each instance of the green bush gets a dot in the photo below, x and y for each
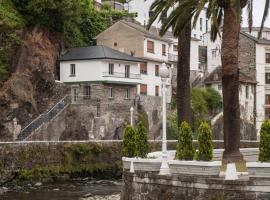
(172, 130)
(128, 147)
(143, 117)
(185, 149)
(264, 147)
(141, 141)
(205, 150)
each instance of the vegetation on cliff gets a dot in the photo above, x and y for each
(77, 21)
(264, 146)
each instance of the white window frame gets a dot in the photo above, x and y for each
(72, 70)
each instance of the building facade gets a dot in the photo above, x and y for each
(142, 8)
(254, 61)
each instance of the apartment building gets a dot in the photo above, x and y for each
(254, 61)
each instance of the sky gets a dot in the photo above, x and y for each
(258, 9)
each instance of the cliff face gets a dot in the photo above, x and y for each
(31, 89)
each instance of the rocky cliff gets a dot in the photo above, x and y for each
(31, 89)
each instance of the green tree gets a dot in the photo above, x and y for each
(264, 146)
(128, 148)
(172, 128)
(205, 150)
(141, 141)
(185, 149)
(213, 99)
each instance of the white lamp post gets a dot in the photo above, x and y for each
(131, 116)
(164, 74)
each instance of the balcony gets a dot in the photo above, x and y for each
(172, 57)
(121, 75)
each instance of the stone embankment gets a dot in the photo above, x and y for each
(107, 197)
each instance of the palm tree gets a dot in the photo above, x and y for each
(180, 23)
(229, 13)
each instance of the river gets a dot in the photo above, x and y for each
(71, 190)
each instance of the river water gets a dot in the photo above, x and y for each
(72, 190)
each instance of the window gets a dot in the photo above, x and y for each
(267, 99)
(110, 93)
(195, 36)
(164, 49)
(163, 17)
(157, 70)
(267, 78)
(206, 25)
(72, 70)
(267, 113)
(127, 71)
(111, 68)
(219, 87)
(127, 95)
(115, 44)
(143, 68)
(201, 24)
(143, 89)
(214, 54)
(150, 46)
(267, 58)
(175, 47)
(157, 90)
(247, 92)
(87, 91)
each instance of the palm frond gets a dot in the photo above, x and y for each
(265, 15)
(250, 14)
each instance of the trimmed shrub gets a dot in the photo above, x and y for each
(205, 150)
(141, 141)
(185, 149)
(264, 146)
(128, 147)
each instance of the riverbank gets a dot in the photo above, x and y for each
(83, 189)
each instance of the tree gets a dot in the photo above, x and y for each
(228, 13)
(180, 22)
(128, 148)
(185, 149)
(264, 147)
(141, 141)
(205, 150)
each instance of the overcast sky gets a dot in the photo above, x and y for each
(257, 14)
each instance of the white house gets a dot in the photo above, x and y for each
(115, 73)
(142, 8)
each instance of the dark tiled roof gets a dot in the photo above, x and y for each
(246, 29)
(97, 52)
(216, 76)
(153, 32)
(259, 41)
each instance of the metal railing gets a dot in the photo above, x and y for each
(121, 75)
(43, 118)
(173, 57)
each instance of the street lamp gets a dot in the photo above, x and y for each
(131, 116)
(164, 74)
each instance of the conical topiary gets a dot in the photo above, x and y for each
(185, 149)
(128, 147)
(141, 141)
(264, 147)
(205, 150)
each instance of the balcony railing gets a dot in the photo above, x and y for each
(121, 75)
(173, 57)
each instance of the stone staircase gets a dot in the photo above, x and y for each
(44, 118)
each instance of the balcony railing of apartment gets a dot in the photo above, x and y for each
(121, 75)
(172, 57)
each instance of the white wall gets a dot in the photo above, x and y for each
(212, 61)
(142, 7)
(92, 70)
(151, 80)
(157, 50)
(194, 55)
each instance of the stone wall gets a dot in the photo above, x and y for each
(153, 107)
(94, 117)
(142, 185)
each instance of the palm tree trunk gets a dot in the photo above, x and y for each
(230, 86)
(183, 76)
